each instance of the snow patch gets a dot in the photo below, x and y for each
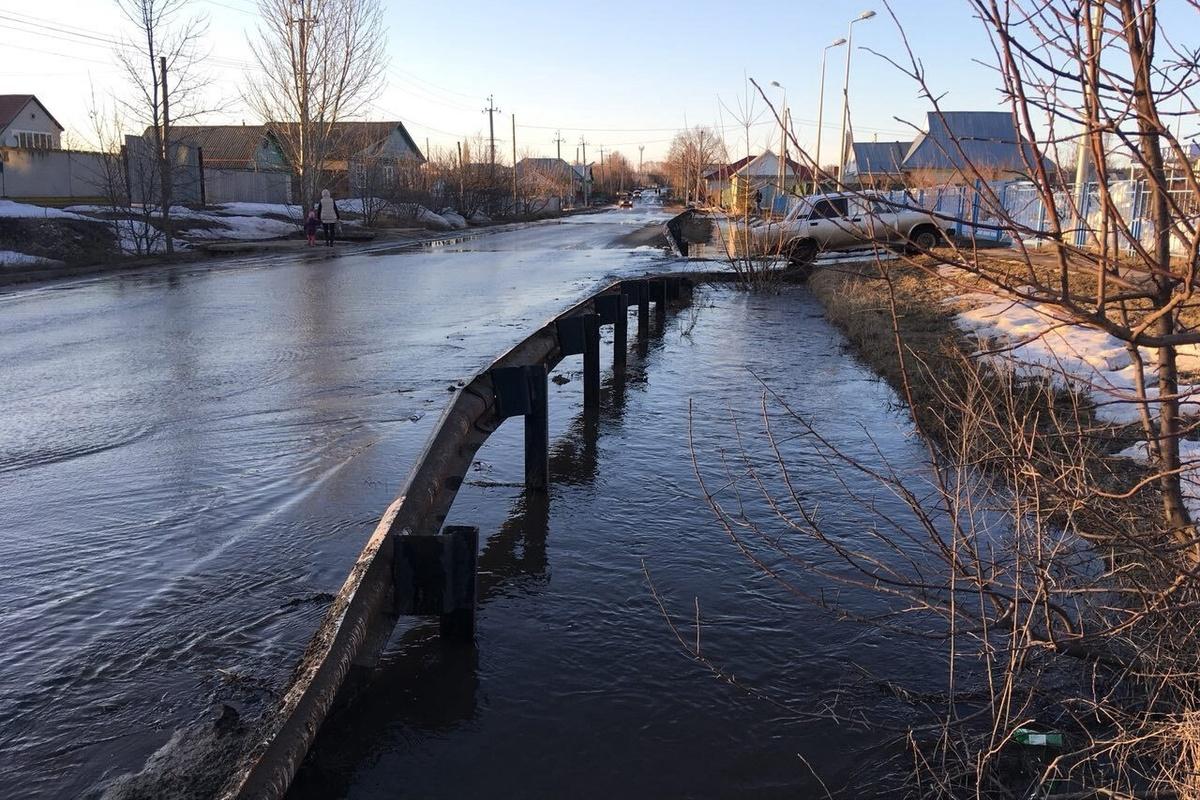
(1035, 340)
(1189, 460)
(11, 258)
(13, 210)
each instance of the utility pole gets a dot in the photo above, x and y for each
(1083, 157)
(491, 111)
(461, 190)
(165, 165)
(584, 167)
(304, 24)
(604, 179)
(641, 147)
(514, 126)
(558, 140)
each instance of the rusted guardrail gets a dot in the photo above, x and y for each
(362, 615)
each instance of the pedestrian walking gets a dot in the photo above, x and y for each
(310, 227)
(328, 212)
(758, 201)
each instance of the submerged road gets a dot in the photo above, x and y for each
(190, 458)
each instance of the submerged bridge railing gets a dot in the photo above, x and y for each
(379, 588)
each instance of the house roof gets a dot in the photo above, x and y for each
(753, 165)
(233, 144)
(986, 138)
(554, 169)
(11, 105)
(723, 173)
(237, 144)
(350, 138)
(877, 158)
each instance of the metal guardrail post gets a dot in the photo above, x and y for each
(591, 360)
(658, 293)
(643, 301)
(523, 391)
(614, 310)
(537, 431)
(621, 336)
(435, 575)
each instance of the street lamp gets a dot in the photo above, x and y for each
(821, 109)
(846, 94)
(782, 143)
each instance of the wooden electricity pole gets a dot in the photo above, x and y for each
(491, 111)
(165, 158)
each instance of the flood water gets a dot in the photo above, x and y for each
(578, 688)
(191, 459)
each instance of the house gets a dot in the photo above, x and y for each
(877, 165)
(736, 185)
(363, 157)
(249, 147)
(550, 177)
(584, 173)
(717, 182)
(245, 161)
(26, 124)
(213, 164)
(959, 144)
(33, 165)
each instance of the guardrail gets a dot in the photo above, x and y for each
(362, 616)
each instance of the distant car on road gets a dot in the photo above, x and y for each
(624, 200)
(847, 221)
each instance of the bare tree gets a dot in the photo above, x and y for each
(162, 64)
(691, 152)
(322, 63)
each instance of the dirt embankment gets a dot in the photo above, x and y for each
(70, 241)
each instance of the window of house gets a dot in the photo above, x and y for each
(358, 174)
(34, 140)
(389, 174)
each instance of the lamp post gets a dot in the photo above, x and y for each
(780, 189)
(821, 111)
(846, 93)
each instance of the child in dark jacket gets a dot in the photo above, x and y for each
(310, 227)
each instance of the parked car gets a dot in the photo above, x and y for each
(847, 221)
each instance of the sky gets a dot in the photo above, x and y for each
(617, 74)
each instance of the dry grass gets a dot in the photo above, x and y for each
(937, 370)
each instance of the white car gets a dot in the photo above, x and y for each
(847, 221)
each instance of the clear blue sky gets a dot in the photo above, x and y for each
(621, 73)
